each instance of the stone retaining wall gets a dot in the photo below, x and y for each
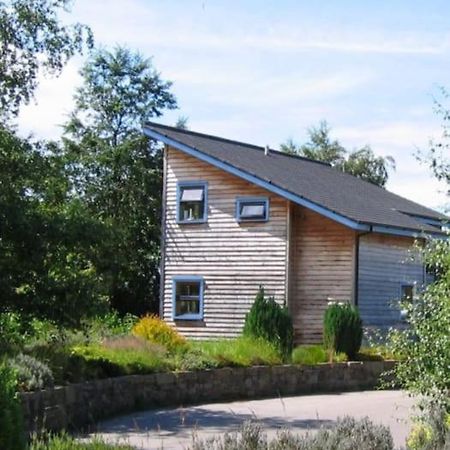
(81, 405)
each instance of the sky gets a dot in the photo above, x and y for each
(266, 71)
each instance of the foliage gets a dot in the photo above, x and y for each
(314, 354)
(117, 172)
(31, 373)
(361, 163)
(156, 330)
(347, 434)
(32, 38)
(430, 432)
(65, 442)
(425, 344)
(243, 351)
(47, 241)
(437, 155)
(11, 335)
(111, 324)
(12, 436)
(117, 360)
(268, 320)
(342, 329)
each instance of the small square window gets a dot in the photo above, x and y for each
(252, 209)
(188, 298)
(192, 202)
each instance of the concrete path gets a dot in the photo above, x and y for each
(172, 428)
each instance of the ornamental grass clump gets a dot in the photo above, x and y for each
(269, 321)
(155, 330)
(342, 330)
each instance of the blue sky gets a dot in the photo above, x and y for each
(263, 72)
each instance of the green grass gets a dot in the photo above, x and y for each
(240, 352)
(375, 353)
(313, 354)
(124, 361)
(66, 442)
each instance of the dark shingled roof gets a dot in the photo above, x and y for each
(317, 182)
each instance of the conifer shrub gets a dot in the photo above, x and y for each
(270, 321)
(12, 435)
(155, 330)
(342, 329)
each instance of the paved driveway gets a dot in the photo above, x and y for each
(172, 428)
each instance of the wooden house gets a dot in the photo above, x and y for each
(237, 216)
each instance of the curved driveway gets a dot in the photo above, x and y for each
(172, 428)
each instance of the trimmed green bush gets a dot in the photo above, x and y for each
(12, 436)
(342, 329)
(270, 321)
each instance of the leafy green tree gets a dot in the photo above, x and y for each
(32, 38)
(362, 163)
(48, 240)
(437, 157)
(425, 344)
(117, 172)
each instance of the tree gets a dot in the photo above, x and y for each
(48, 240)
(117, 172)
(437, 156)
(32, 38)
(362, 163)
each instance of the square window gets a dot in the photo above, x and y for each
(188, 298)
(192, 202)
(252, 209)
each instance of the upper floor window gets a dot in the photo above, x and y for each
(250, 209)
(192, 202)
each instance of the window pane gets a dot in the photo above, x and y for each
(253, 210)
(193, 194)
(407, 293)
(191, 210)
(190, 288)
(187, 298)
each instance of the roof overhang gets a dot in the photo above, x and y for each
(333, 215)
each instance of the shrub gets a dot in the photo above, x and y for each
(342, 329)
(243, 352)
(12, 436)
(109, 362)
(431, 431)
(155, 330)
(11, 335)
(270, 321)
(347, 434)
(32, 374)
(309, 354)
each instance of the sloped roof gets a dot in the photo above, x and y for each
(343, 197)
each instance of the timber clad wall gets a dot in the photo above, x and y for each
(384, 265)
(322, 268)
(234, 258)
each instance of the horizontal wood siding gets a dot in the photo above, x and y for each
(384, 265)
(234, 258)
(323, 262)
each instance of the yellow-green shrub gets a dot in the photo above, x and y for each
(155, 330)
